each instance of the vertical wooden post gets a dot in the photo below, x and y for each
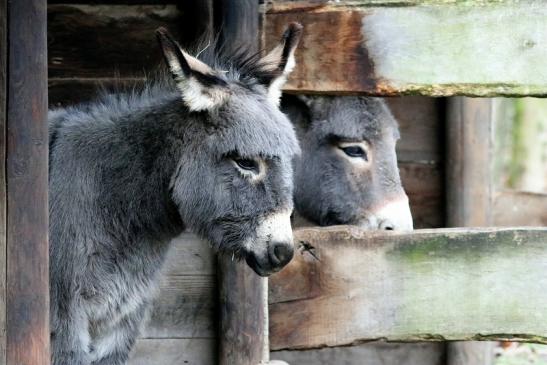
(242, 331)
(469, 191)
(3, 114)
(196, 22)
(26, 166)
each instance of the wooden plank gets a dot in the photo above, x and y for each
(424, 185)
(186, 307)
(190, 255)
(469, 190)
(426, 47)
(469, 162)
(107, 41)
(374, 353)
(3, 114)
(519, 208)
(27, 314)
(186, 304)
(449, 284)
(194, 351)
(64, 92)
(421, 123)
(113, 2)
(470, 352)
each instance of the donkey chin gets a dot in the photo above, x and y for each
(273, 246)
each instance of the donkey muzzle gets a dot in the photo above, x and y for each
(393, 215)
(273, 247)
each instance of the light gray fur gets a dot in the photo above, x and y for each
(130, 172)
(328, 189)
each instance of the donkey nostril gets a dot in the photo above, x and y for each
(281, 253)
(386, 226)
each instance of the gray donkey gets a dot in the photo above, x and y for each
(347, 172)
(210, 151)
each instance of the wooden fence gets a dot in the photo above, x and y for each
(425, 285)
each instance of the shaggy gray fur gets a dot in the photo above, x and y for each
(130, 172)
(328, 189)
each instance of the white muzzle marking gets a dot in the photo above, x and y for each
(394, 215)
(275, 228)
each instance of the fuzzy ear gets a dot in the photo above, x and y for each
(200, 86)
(280, 61)
(317, 106)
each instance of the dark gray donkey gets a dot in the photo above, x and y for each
(212, 152)
(347, 172)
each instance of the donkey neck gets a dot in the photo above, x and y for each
(117, 164)
(151, 142)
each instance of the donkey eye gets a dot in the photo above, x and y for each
(355, 151)
(247, 164)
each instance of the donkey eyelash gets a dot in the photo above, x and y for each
(250, 168)
(354, 150)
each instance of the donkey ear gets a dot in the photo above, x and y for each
(201, 88)
(317, 106)
(280, 61)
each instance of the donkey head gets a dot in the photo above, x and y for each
(347, 173)
(233, 184)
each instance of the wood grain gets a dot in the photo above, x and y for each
(421, 123)
(65, 92)
(113, 2)
(519, 208)
(424, 185)
(106, 41)
(187, 301)
(469, 162)
(383, 48)
(186, 307)
(195, 351)
(27, 186)
(427, 285)
(375, 353)
(3, 124)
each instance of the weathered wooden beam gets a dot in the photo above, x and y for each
(348, 285)
(481, 48)
(469, 162)
(107, 41)
(372, 353)
(469, 187)
(3, 124)
(27, 299)
(114, 2)
(519, 208)
(198, 351)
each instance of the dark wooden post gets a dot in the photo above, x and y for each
(469, 191)
(23, 188)
(3, 106)
(243, 325)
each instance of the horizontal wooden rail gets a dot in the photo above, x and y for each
(435, 47)
(520, 208)
(347, 286)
